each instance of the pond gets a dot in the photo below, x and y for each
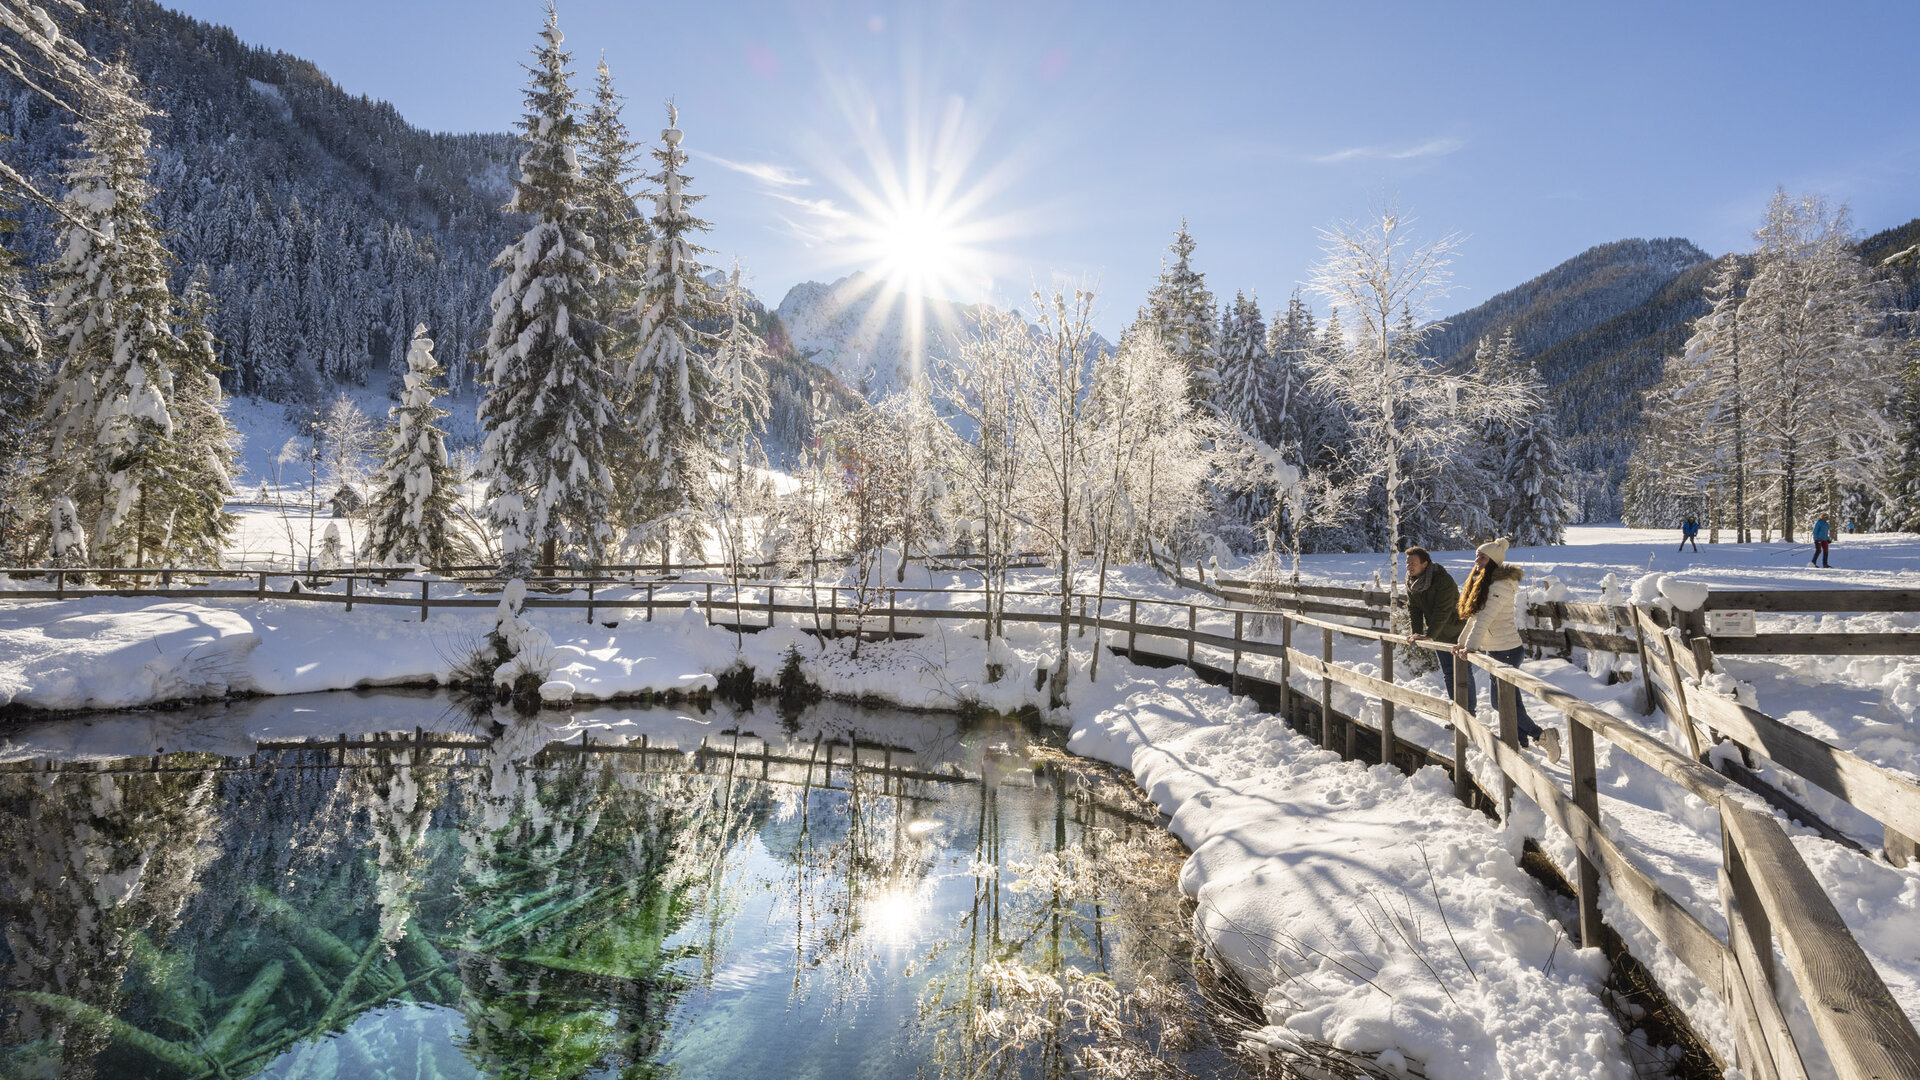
(384, 885)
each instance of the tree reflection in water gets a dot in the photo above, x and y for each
(488, 904)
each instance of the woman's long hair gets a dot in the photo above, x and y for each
(1473, 595)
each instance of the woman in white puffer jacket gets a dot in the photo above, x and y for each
(1487, 603)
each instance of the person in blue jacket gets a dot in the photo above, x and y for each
(1689, 531)
(1822, 541)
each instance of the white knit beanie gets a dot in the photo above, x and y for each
(1495, 549)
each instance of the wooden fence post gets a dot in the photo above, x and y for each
(649, 601)
(1586, 796)
(1326, 689)
(1901, 850)
(1239, 626)
(1508, 699)
(1646, 672)
(709, 600)
(589, 603)
(1386, 707)
(349, 592)
(1133, 628)
(1685, 719)
(1286, 668)
(424, 585)
(1462, 696)
(262, 593)
(1193, 614)
(833, 608)
(893, 605)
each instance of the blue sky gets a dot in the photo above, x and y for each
(1072, 138)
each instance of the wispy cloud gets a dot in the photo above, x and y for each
(817, 207)
(1439, 147)
(765, 172)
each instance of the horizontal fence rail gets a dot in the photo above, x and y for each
(1768, 895)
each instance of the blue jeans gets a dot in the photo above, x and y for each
(1446, 675)
(1529, 730)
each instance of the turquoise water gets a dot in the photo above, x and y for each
(380, 886)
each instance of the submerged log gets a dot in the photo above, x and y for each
(316, 940)
(173, 1053)
(239, 1019)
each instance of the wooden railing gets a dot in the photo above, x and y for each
(1768, 894)
(1677, 654)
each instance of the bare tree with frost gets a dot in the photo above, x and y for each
(1821, 374)
(1407, 412)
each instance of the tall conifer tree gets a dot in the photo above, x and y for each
(116, 439)
(546, 402)
(1183, 313)
(671, 374)
(410, 515)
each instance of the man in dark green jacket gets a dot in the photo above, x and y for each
(1433, 605)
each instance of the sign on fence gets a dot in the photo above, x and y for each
(1730, 624)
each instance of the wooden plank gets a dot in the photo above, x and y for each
(1586, 797)
(1436, 707)
(1814, 600)
(1897, 643)
(1747, 935)
(1865, 1031)
(1585, 639)
(1750, 1051)
(1890, 799)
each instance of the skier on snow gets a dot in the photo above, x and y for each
(1689, 531)
(1822, 540)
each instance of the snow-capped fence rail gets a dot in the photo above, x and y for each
(1678, 656)
(1369, 604)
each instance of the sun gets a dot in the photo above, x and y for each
(917, 249)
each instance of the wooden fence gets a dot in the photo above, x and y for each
(1767, 892)
(1677, 654)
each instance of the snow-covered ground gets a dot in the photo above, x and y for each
(1324, 882)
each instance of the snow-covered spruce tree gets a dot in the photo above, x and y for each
(670, 374)
(200, 458)
(111, 328)
(1246, 390)
(410, 516)
(1184, 318)
(1534, 476)
(1290, 340)
(739, 413)
(1245, 396)
(23, 376)
(546, 402)
(608, 167)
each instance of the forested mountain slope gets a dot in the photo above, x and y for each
(1597, 326)
(327, 225)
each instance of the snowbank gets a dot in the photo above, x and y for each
(115, 652)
